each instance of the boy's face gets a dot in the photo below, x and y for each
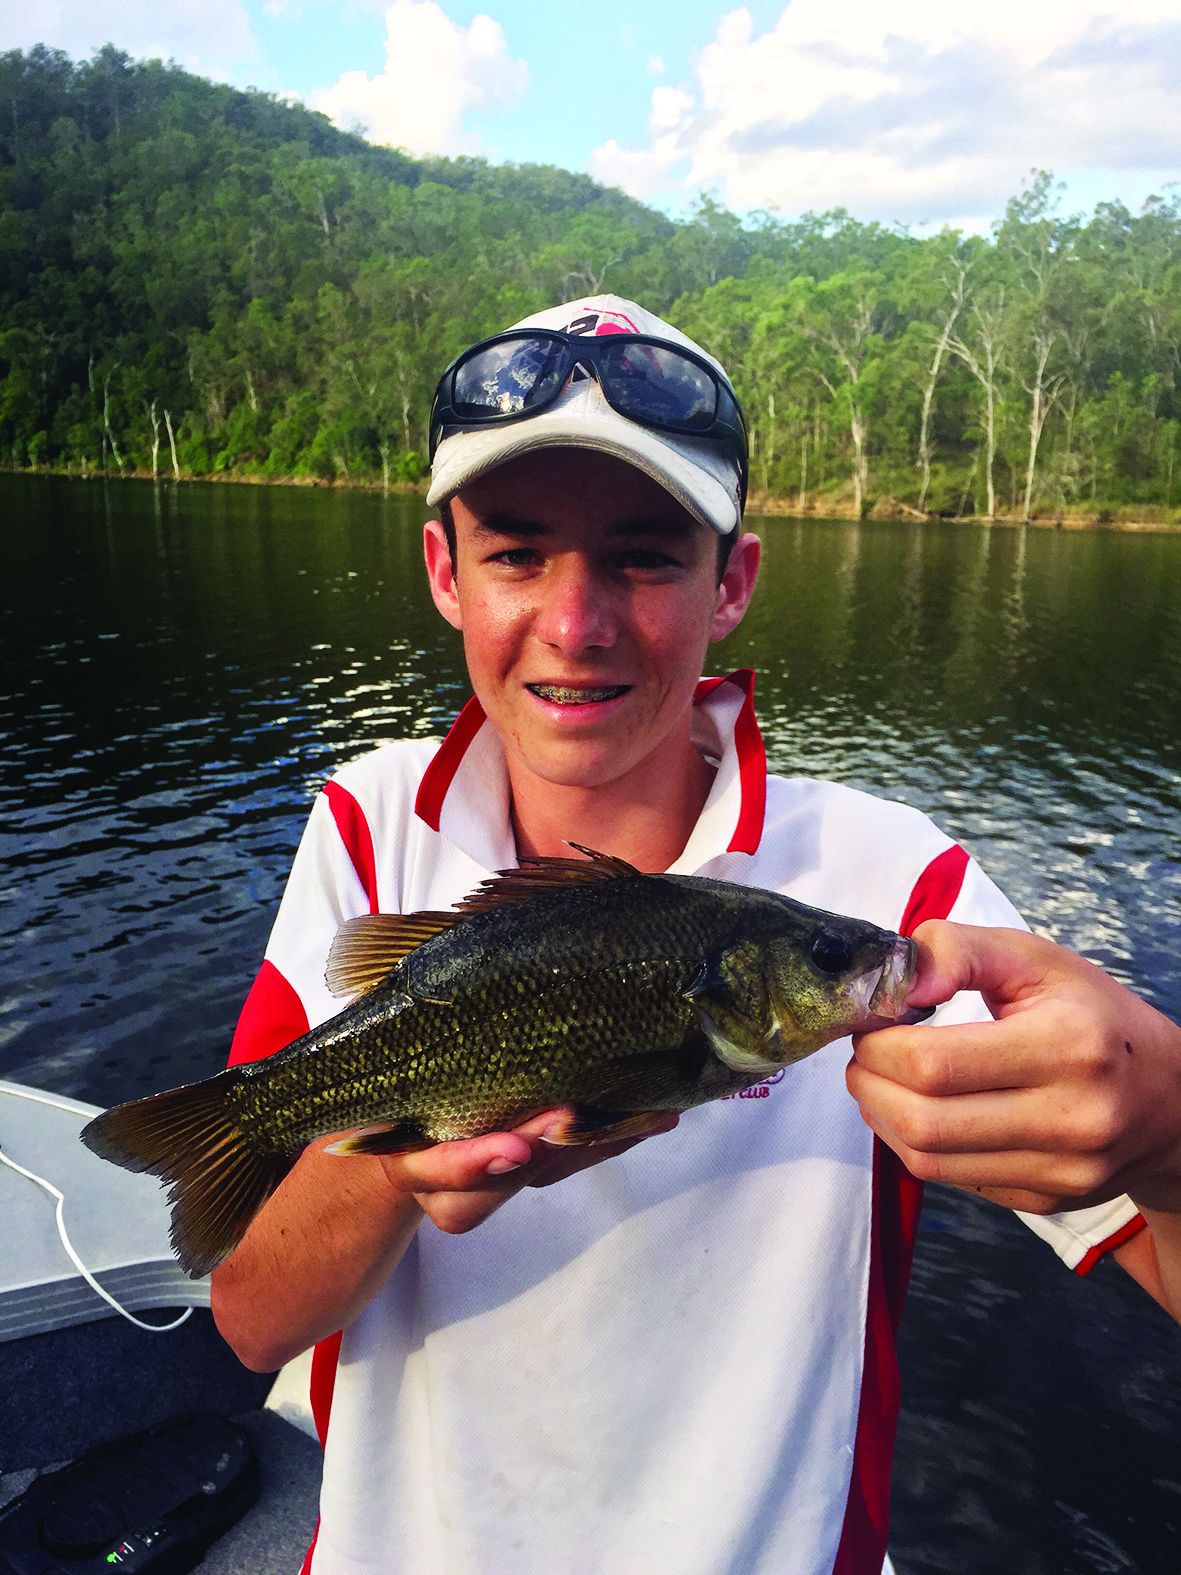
(587, 597)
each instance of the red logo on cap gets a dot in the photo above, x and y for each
(597, 323)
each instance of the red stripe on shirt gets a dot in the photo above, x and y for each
(1116, 1239)
(897, 1202)
(271, 1017)
(439, 775)
(325, 1358)
(752, 761)
(354, 833)
(358, 841)
(936, 890)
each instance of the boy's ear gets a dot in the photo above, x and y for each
(737, 585)
(440, 572)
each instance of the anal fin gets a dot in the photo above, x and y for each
(584, 1125)
(386, 1137)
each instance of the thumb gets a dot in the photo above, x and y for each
(1007, 967)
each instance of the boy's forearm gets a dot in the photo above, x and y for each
(1153, 1258)
(313, 1259)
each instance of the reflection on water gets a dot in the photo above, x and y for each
(182, 667)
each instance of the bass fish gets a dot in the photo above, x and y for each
(579, 983)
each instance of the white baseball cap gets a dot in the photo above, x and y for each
(700, 473)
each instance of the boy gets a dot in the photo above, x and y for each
(681, 1360)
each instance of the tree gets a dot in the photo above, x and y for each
(934, 287)
(843, 318)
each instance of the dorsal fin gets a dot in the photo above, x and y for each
(539, 874)
(367, 948)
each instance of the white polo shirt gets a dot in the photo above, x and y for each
(680, 1362)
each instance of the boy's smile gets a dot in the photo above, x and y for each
(587, 597)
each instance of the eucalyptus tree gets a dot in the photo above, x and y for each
(1039, 250)
(982, 341)
(749, 323)
(843, 318)
(932, 290)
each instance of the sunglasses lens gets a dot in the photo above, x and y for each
(654, 383)
(508, 378)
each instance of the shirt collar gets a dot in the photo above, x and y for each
(464, 793)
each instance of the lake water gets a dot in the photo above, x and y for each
(182, 667)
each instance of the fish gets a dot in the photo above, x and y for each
(571, 982)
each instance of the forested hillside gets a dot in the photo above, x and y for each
(199, 280)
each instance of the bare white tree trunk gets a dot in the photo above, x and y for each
(172, 445)
(1041, 401)
(983, 361)
(107, 431)
(155, 420)
(933, 371)
(768, 454)
(803, 503)
(860, 461)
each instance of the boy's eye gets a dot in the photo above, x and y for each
(517, 557)
(648, 560)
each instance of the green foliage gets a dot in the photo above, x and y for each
(176, 252)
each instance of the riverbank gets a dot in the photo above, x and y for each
(830, 506)
(1095, 516)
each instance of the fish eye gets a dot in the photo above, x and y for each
(831, 953)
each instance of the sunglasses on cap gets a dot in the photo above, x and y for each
(651, 381)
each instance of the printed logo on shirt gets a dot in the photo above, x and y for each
(759, 1090)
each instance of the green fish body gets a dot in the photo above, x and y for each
(578, 983)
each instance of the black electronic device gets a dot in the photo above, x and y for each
(147, 1505)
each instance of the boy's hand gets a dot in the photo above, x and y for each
(1071, 1097)
(458, 1185)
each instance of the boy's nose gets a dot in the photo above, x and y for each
(577, 615)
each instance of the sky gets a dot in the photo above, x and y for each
(909, 112)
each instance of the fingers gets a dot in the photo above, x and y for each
(1018, 1051)
(1026, 1140)
(459, 1184)
(1068, 1093)
(459, 1166)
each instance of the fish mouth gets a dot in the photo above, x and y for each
(570, 694)
(888, 1000)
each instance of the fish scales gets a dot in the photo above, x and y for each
(509, 1045)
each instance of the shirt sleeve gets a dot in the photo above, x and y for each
(325, 888)
(1083, 1236)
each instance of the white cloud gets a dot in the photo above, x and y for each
(208, 36)
(436, 72)
(913, 110)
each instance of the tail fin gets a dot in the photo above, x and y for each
(191, 1137)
